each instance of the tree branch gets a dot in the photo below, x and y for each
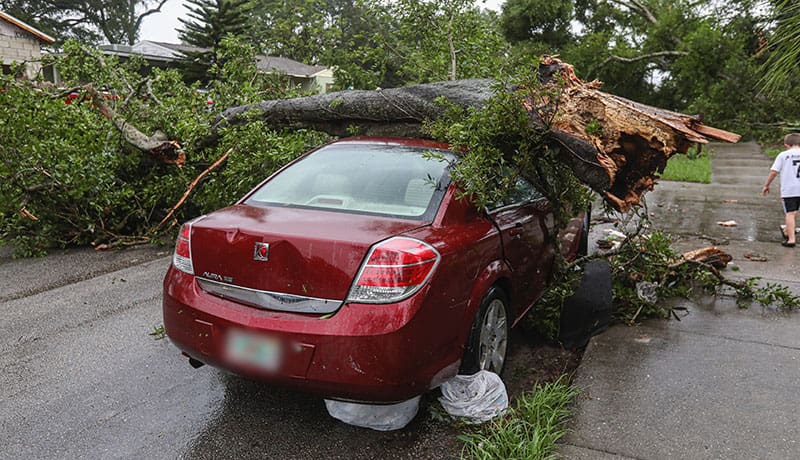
(637, 7)
(192, 185)
(645, 12)
(641, 57)
(157, 145)
(148, 13)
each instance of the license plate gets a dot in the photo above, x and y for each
(259, 351)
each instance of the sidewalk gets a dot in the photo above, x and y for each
(722, 382)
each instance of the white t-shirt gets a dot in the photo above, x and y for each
(788, 165)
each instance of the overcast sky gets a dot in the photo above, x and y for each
(161, 27)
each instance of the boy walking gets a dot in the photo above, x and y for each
(787, 164)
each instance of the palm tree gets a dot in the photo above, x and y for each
(784, 57)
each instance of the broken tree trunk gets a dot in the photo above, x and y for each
(620, 160)
(633, 141)
(614, 145)
(158, 146)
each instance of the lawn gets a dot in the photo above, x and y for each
(689, 168)
(773, 151)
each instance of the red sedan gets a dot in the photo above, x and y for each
(357, 273)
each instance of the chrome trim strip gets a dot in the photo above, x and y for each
(269, 300)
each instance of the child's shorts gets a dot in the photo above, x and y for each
(791, 204)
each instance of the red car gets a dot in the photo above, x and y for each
(357, 273)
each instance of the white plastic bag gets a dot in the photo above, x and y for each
(477, 398)
(380, 417)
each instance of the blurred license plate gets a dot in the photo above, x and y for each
(254, 350)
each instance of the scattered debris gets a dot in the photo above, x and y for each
(158, 332)
(613, 239)
(614, 235)
(714, 241)
(27, 214)
(755, 257)
(647, 291)
(605, 244)
(604, 219)
(713, 256)
(730, 201)
(728, 223)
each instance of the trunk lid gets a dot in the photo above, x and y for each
(311, 253)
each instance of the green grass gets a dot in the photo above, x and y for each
(530, 429)
(686, 168)
(773, 151)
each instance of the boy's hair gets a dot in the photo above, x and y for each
(792, 139)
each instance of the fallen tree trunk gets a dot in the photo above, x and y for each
(614, 145)
(620, 160)
(632, 142)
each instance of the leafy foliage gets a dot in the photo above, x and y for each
(782, 65)
(67, 178)
(502, 144)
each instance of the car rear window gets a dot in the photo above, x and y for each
(390, 180)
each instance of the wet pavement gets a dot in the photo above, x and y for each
(722, 382)
(82, 377)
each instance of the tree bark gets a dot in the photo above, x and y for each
(614, 145)
(157, 145)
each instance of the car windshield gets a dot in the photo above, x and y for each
(391, 180)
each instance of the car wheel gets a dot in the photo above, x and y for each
(488, 340)
(583, 246)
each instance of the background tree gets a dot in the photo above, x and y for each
(691, 56)
(90, 21)
(423, 41)
(784, 61)
(303, 30)
(208, 23)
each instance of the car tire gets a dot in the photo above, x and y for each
(487, 347)
(583, 245)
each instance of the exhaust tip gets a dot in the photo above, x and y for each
(195, 363)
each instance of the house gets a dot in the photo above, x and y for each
(164, 55)
(20, 42)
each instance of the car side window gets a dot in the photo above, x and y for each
(522, 192)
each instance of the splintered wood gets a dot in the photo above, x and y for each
(630, 141)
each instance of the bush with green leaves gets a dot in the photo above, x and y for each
(68, 178)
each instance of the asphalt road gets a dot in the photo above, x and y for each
(80, 377)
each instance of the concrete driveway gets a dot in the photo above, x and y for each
(721, 383)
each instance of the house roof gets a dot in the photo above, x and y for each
(43, 37)
(287, 66)
(166, 52)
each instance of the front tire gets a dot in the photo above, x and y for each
(488, 340)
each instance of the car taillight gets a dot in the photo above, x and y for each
(394, 270)
(182, 258)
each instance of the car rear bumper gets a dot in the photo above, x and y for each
(375, 353)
